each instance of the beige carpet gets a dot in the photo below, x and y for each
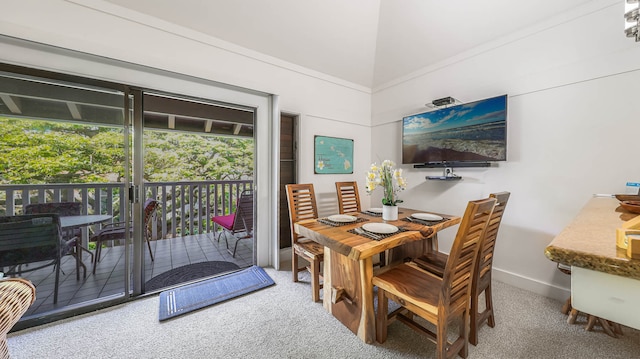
(282, 322)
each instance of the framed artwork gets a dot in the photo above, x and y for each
(333, 155)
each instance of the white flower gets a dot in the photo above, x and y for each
(389, 179)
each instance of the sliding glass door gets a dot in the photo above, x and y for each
(112, 148)
(196, 159)
(68, 141)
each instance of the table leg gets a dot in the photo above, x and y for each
(348, 293)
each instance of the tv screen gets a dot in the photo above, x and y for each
(475, 131)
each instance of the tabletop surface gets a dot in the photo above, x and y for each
(589, 241)
(358, 247)
(83, 220)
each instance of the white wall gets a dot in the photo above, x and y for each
(325, 105)
(573, 121)
(573, 116)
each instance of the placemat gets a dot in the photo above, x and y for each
(373, 214)
(329, 222)
(376, 236)
(425, 222)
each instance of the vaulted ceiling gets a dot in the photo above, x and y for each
(366, 42)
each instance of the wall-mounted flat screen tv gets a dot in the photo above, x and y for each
(471, 132)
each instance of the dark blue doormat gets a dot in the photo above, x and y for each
(195, 296)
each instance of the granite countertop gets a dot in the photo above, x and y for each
(589, 241)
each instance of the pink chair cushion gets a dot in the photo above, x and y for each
(225, 221)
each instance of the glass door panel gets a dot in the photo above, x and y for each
(198, 159)
(64, 141)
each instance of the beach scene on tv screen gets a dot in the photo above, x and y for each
(470, 132)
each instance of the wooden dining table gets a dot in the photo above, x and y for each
(348, 261)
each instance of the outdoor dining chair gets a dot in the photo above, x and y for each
(33, 239)
(117, 231)
(73, 236)
(239, 222)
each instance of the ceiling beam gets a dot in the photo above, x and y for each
(11, 103)
(75, 111)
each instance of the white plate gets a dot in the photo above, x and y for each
(375, 210)
(427, 216)
(343, 218)
(381, 228)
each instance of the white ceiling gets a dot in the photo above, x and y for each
(367, 42)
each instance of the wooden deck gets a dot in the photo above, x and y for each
(109, 277)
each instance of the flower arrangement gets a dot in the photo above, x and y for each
(389, 179)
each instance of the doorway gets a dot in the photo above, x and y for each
(196, 160)
(288, 173)
(75, 140)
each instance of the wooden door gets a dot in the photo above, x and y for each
(287, 174)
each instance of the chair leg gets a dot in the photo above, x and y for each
(294, 265)
(381, 317)
(79, 263)
(235, 248)
(464, 326)
(473, 321)
(315, 280)
(149, 246)
(97, 256)
(55, 289)
(441, 338)
(491, 321)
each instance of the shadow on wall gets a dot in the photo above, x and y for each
(520, 253)
(520, 260)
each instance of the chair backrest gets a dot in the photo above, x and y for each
(150, 206)
(243, 220)
(458, 272)
(30, 238)
(16, 296)
(348, 197)
(301, 199)
(485, 254)
(60, 208)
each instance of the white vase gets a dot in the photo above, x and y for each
(389, 213)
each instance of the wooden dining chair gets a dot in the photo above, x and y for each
(16, 296)
(435, 263)
(301, 200)
(348, 197)
(437, 300)
(349, 202)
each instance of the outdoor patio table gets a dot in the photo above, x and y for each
(69, 222)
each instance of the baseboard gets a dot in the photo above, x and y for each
(532, 285)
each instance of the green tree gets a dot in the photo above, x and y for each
(34, 151)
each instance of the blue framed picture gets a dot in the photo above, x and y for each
(333, 155)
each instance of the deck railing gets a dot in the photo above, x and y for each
(185, 207)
